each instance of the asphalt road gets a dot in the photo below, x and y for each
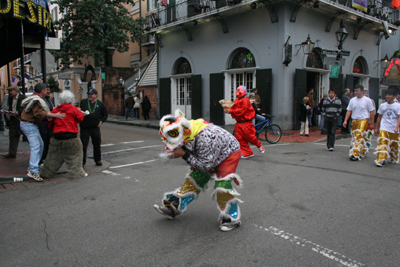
(303, 206)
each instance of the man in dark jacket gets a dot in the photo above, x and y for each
(129, 102)
(345, 103)
(90, 126)
(331, 108)
(14, 106)
(44, 130)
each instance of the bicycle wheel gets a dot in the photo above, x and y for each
(273, 133)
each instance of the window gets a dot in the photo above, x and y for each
(183, 66)
(360, 66)
(151, 5)
(242, 58)
(183, 91)
(315, 60)
(67, 85)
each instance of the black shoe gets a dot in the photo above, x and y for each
(352, 158)
(98, 163)
(167, 211)
(9, 156)
(307, 135)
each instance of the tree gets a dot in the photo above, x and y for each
(53, 84)
(91, 27)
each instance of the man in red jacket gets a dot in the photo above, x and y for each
(65, 145)
(243, 112)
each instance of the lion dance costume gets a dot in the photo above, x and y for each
(212, 153)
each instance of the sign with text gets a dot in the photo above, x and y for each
(33, 11)
(334, 71)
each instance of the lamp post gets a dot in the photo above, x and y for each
(307, 46)
(385, 62)
(341, 35)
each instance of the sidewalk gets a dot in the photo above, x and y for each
(289, 136)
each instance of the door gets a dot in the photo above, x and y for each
(197, 96)
(337, 84)
(349, 83)
(300, 91)
(165, 96)
(264, 89)
(233, 81)
(217, 115)
(181, 95)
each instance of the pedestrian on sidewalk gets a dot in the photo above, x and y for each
(345, 102)
(388, 124)
(14, 101)
(321, 123)
(146, 106)
(243, 112)
(44, 130)
(332, 108)
(136, 106)
(34, 111)
(129, 102)
(360, 110)
(311, 103)
(212, 153)
(90, 126)
(65, 145)
(303, 117)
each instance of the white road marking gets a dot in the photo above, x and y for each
(107, 145)
(330, 254)
(132, 164)
(111, 173)
(113, 144)
(128, 149)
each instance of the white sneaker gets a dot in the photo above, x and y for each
(380, 164)
(35, 176)
(262, 150)
(86, 175)
(331, 149)
(243, 157)
(229, 226)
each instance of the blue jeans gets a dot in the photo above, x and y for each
(129, 111)
(321, 123)
(36, 144)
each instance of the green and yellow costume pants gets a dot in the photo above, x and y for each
(196, 181)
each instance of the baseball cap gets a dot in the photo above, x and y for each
(47, 85)
(92, 92)
(14, 87)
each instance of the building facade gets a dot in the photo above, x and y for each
(208, 48)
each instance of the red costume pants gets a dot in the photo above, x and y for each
(246, 133)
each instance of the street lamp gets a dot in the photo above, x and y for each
(308, 46)
(341, 35)
(385, 62)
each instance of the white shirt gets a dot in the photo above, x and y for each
(390, 114)
(360, 108)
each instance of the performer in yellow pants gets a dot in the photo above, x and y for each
(388, 124)
(388, 145)
(361, 138)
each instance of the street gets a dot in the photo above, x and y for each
(302, 206)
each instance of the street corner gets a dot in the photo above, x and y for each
(14, 167)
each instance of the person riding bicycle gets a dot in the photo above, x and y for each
(259, 116)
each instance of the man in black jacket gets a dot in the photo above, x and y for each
(90, 126)
(14, 106)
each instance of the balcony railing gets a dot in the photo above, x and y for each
(185, 9)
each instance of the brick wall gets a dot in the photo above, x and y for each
(114, 100)
(151, 93)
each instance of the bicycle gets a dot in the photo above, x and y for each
(273, 132)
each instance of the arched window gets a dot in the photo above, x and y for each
(360, 66)
(241, 58)
(315, 59)
(182, 66)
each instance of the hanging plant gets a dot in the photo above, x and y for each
(163, 3)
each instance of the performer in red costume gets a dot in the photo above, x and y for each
(243, 113)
